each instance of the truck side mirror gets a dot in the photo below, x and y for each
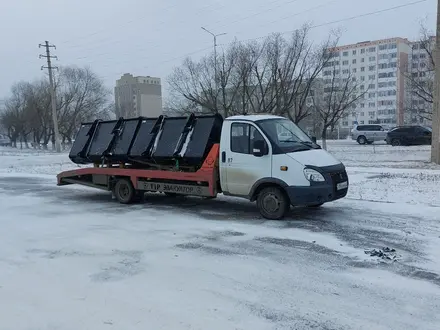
(259, 148)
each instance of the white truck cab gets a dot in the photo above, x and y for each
(271, 160)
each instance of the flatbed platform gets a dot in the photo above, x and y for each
(128, 182)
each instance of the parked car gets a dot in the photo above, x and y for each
(4, 140)
(368, 133)
(409, 135)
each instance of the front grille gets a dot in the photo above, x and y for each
(338, 177)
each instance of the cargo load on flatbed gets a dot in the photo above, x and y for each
(147, 142)
(263, 158)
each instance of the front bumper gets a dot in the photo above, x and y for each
(321, 192)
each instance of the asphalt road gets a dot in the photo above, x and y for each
(213, 258)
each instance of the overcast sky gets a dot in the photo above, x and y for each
(146, 37)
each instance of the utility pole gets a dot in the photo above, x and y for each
(215, 62)
(49, 68)
(435, 144)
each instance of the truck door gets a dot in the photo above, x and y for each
(241, 168)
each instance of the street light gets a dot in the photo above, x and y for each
(215, 61)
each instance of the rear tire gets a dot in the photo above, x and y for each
(273, 203)
(395, 142)
(361, 139)
(124, 191)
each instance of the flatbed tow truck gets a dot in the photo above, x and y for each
(263, 158)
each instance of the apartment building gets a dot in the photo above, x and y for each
(138, 96)
(376, 67)
(420, 82)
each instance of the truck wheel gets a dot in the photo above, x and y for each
(124, 191)
(361, 139)
(273, 203)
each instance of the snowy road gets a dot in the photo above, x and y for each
(71, 258)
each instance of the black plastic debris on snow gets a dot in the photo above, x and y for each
(385, 254)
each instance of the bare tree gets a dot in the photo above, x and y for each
(82, 96)
(271, 76)
(339, 95)
(298, 65)
(419, 76)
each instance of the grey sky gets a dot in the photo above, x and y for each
(150, 37)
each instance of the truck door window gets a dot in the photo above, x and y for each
(255, 136)
(243, 137)
(240, 138)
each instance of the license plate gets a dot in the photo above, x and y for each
(342, 185)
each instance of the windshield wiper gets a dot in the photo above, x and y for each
(310, 143)
(306, 143)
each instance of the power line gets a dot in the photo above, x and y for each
(257, 13)
(303, 12)
(371, 13)
(103, 41)
(291, 31)
(121, 25)
(342, 20)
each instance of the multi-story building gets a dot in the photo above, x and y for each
(420, 80)
(376, 68)
(138, 96)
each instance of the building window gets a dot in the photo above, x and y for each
(372, 77)
(354, 61)
(345, 54)
(371, 104)
(362, 60)
(371, 49)
(354, 70)
(354, 52)
(363, 69)
(372, 58)
(371, 86)
(344, 62)
(372, 68)
(363, 51)
(371, 95)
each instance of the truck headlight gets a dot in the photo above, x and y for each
(313, 175)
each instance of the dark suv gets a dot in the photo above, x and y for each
(409, 135)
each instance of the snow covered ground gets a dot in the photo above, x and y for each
(71, 258)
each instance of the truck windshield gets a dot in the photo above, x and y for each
(286, 135)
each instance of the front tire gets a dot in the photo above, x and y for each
(124, 191)
(273, 203)
(361, 139)
(395, 142)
